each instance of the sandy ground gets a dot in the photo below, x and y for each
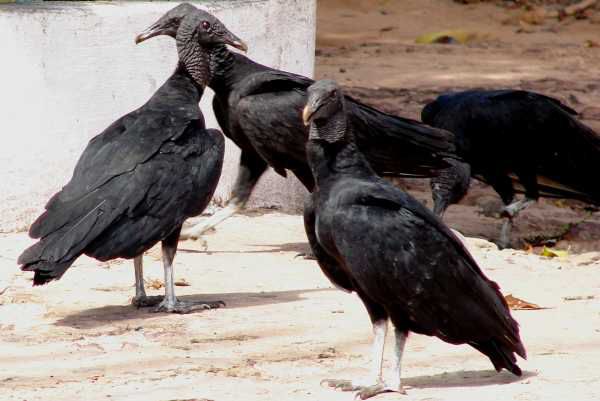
(284, 328)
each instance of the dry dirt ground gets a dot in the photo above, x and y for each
(284, 328)
(369, 47)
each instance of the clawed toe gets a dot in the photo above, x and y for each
(363, 392)
(146, 301)
(371, 391)
(187, 307)
(305, 256)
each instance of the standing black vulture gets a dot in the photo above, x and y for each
(259, 109)
(138, 180)
(406, 266)
(515, 140)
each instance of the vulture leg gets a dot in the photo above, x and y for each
(170, 303)
(141, 299)
(374, 383)
(395, 385)
(374, 380)
(510, 212)
(251, 169)
(396, 382)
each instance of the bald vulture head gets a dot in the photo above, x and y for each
(325, 111)
(196, 32)
(208, 29)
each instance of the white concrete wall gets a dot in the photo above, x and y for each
(67, 70)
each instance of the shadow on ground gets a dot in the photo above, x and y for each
(465, 378)
(297, 247)
(109, 314)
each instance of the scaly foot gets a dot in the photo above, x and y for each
(363, 391)
(306, 256)
(187, 307)
(145, 301)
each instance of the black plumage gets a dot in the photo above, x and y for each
(259, 109)
(138, 180)
(372, 238)
(516, 141)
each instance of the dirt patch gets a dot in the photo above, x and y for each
(283, 331)
(369, 46)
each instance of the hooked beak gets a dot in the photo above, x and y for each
(312, 106)
(307, 114)
(151, 32)
(232, 40)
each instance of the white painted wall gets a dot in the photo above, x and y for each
(67, 70)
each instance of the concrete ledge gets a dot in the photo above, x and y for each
(69, 70)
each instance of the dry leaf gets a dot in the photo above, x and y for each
(154, 283)
(450, 36)
(519, 304)
(554, 253)
(560, 203)
(182, 283)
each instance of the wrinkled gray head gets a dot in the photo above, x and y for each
(196, 32)
(167, 24)
(197, 24)
(325, 111)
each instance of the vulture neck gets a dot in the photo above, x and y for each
(195, 60)
(182, 73)
(222, 62)
(330, 158)
(230, 69)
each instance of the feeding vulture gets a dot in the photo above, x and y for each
(405, 265)
(515, 140)
(138, 180)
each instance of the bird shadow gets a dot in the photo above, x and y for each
(96, 317)
(465, 378)
(297, 247)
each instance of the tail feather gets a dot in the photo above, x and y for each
(47, 271)
(502, 355)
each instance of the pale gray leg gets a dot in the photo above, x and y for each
(374, 383)
(395, 384)
(510, 212)
(170, 302)
(197, 230)
(141, 299)
(378, 347)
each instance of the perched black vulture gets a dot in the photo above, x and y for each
(515, 140)
(405, 265)
(138, 180)
(259, 108)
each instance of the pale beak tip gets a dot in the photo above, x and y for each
(306, 116)
(241, 45)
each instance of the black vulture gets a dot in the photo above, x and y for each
(259, 109)
(406, 266)
(515, 140)
(138, 180)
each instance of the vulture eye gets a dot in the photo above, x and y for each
(205, 24)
